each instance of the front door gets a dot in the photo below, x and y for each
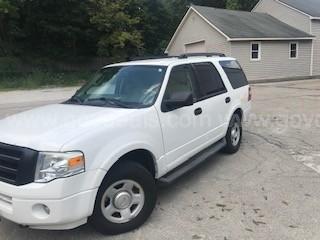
(181, 127)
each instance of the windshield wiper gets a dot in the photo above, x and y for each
(74, 99)
(106, 101)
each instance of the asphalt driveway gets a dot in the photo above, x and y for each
(269, 190)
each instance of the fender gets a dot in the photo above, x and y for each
(113, 157)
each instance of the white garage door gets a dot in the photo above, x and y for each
(196, 47)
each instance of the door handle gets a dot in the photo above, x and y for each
(198, 111)
(228, 99)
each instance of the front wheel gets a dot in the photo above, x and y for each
(125, 199)
(234, 135)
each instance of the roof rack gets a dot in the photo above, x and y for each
(186, 55)
(182, 56)
(150, 57)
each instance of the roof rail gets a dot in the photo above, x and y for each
(186, 55)
(150, 57)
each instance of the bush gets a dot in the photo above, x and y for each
(39, 79)
(9, 64)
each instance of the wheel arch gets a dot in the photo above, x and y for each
(239, 112)
(141, 156)
(137, 153)
(236, 110)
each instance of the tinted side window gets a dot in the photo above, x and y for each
(235, 74)
(210, 82)
(180, 81)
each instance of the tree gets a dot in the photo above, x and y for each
(245, 5)
(233, 4)
(118, 24)
(154, 25)
(248, 5)
(56, 28)
(66, 28)
(8, 25)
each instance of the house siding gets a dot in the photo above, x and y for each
(284, 14)
(275, 62)
(194, 30)
(316, 47)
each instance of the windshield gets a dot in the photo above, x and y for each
(123, 86)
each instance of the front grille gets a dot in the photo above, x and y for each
(17, 164)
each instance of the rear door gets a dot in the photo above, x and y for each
(214, 100)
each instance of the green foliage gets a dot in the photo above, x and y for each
(117, 23)
(233, 4)
(8, 64)
(6, 8)
(40, 79)
(246, 5)
(114, 28)
(8, 25)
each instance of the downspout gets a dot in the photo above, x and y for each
(312, 50)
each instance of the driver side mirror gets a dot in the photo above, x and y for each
(177, 100)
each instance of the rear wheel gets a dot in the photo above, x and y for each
(125, 199)
(234, 135)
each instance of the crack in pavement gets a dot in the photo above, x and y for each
(271, 142)
(300, 155)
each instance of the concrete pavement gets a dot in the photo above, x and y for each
(269, 190)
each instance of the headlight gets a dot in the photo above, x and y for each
(52, 165)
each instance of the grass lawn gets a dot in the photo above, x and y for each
(40, 79)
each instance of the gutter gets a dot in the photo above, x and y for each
(270, 39)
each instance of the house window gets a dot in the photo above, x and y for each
(255, 51)
(293, 50)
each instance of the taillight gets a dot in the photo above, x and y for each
(250, 94)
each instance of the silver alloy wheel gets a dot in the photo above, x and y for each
(235, 134)
(122, 201)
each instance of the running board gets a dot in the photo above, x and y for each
(192, 163)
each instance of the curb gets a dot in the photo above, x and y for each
(276, 80)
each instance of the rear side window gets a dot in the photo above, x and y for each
(209, 79)
(235, 74)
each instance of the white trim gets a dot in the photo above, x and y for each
(196, 42)
(293, 8)
(270, 39)
(312, 50)
(256, 6)
(315, 18)
(259, 52)
(183, 21)
(297, 50)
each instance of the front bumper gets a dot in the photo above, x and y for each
(66, 213)
(58, 205)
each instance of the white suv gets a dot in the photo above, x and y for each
(99, 156)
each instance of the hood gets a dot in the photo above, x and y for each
(48, 128)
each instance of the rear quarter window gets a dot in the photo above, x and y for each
(235, 73)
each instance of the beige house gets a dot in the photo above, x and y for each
(302, 14)
(269, 42)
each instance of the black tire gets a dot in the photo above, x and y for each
(231, 147)
(125, 171)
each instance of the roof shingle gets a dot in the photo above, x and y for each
(310, 7)
(244, 25)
